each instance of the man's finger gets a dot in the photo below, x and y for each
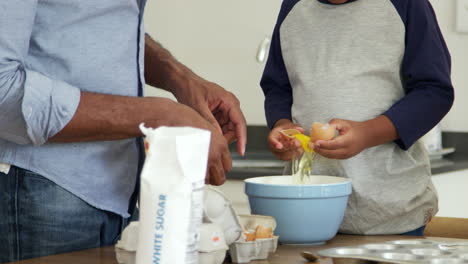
(230, 136)
(206, 113)
(226, 161)
(238, 119)
(215, 176)
(221, 117)
(220, 176)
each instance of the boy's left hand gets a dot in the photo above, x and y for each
(354, 137)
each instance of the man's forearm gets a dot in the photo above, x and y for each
(162, 70)
(102, 117)
(108, 117)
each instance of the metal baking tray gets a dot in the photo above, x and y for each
(412, 251)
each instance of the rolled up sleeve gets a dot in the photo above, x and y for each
(425, 73)
(33, 106)
(275, 81)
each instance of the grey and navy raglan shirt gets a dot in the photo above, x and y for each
(356, 61)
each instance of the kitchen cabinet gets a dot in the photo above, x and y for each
(219, 40)
(452, 188)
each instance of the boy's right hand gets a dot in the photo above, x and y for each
(282, 147)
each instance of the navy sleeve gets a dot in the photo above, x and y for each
(425, 74)
(275, 82)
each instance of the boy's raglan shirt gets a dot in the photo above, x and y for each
(275, 82)
(356, 61)
(425, 72)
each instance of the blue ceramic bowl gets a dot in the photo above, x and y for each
(305, 214)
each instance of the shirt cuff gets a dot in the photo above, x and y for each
(48, 105)
(405, 141)
(272, 118)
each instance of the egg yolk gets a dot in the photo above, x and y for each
(293, 133)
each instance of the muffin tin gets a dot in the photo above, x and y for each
(401, 252)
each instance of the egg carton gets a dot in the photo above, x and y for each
(212, 246)
(222, 228)
(413, 251)
(217, 209)
(246, 251)
(214, 257)
(242, 251)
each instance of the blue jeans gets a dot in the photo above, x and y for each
(39, 218)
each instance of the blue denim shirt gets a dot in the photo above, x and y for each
(49, 52)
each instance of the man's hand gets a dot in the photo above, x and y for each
(219, 160)
(354, 137)
(282, 147)
(217, 107)
(220, 107)
(111, 117)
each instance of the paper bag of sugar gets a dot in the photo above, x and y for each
(171, 198)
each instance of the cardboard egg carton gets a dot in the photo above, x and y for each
(250, 237)
(222, 229)
(212, 246)
(258, 240)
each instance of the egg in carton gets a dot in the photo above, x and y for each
(222, 228)
(249, 237)
(258, 240)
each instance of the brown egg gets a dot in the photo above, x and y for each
(319, 131)
(250, 236)
(263, 232)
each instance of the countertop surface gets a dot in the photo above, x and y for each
(284, 254)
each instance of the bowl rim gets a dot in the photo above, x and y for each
(346, 181)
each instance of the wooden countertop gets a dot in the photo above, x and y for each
(284, 254)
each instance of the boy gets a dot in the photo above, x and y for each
(379, 71)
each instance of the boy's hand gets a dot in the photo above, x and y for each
(354, 137)
(282, 147)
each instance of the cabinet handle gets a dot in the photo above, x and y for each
(263, 50)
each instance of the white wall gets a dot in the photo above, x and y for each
(183, 26)
(456, 120)
(219, 40)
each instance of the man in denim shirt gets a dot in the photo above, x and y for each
(71, 79)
